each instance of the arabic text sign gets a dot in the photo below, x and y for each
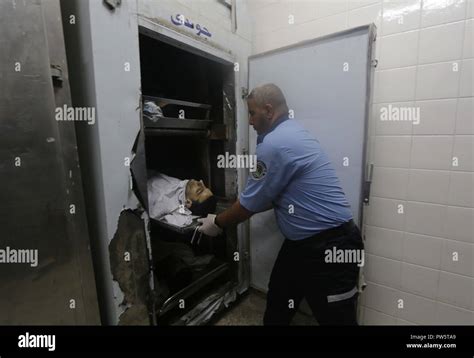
(181, 20)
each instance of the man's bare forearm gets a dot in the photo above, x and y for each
(233, 215)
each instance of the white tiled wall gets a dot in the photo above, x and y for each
(419, 263)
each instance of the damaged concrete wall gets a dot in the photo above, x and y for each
(130, 268)
(103, 58)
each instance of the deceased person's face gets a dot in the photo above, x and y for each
(197, 191)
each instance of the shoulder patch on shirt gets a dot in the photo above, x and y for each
(260, 171)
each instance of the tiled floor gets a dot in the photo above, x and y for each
(249, 312)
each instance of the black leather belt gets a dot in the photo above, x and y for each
(340, 230)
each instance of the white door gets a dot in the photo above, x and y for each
(327, 83)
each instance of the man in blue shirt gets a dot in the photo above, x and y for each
(296, 178)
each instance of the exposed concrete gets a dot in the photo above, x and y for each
(130, 267)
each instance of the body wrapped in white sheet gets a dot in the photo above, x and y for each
(167, 199)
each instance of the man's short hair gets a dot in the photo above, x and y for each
(208, 206)
(268, 93)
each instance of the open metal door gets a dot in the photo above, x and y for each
(327, 84)
(46, 272)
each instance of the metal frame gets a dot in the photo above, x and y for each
(162, 33)
(181, 123)
(77, 226)
(192, 288)
(40, 218)
(176, 123)
(184, 41)
(166, 101)
(367, 171)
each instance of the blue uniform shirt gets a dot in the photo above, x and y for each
(295, 176)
